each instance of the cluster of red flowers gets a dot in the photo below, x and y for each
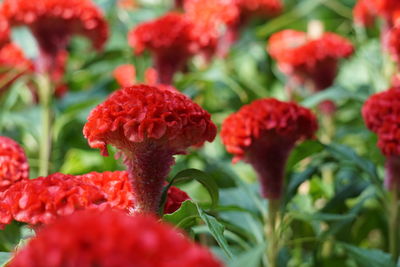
(149, 125)
(111, 239)
(13, 163)
(263, 133)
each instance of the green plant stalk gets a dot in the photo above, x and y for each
(394, 224)
(45, 101)
(271, 231)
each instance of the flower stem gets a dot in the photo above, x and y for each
(271, 231)
(45, 97)
(394, 224)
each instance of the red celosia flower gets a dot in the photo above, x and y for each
(363, 14)
(125, 75)
(171, 41)
(53, 22)
(13, 163)
(391, 41)
(4, 31)
(381, 113)
(127, 4)
(211, 19)
(175, 198)
(263, 134)
(14, 65)
(149, 125)
(308, 61)
(109, 239)
(115, 185)
(41, 200)
(151, 76)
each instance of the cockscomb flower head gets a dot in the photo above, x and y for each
(306, 59)
(170, 39)
(263, 134)
(212, 19)
(41, 200)
(13, 163)
(381, 113)
(53, 23)
(148, 125)
(14, 64)
(109, 239)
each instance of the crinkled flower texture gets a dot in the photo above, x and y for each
(309, 60)
(14, 64)
(171, 40)
(13, 163)
(53, 23)
(149, 125)
(263, 134)
(110, 239)
(41, 200)
(381, 113)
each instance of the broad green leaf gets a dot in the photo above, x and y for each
(216, 230)
(297, 179)
(201, 177)
(10, 236)
(250, 258)
(302, 151)
(185, 217)
(369, 257)
(5, 257)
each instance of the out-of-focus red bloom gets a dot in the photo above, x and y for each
(170, 39)
(13, 163)
(381, 113)
(4, 31)
(309, 61)
(127, 4)
(363, 14)
(14, 64)
(151, 76)
(149, 125)
(109, 239)
(263, 134)
(53, 23)
(41, 200)
(211, 20)
(391, 41)
(125, 75)
(175, 198)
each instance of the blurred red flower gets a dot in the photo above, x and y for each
(149, 125)
(263, 134)
(363, 13)
(112, 239)
(170, 39)
(53, 23)
(125, 75)
(41, 200)
(262, 8)
(13, 163)
(381, 113)
(14, 64)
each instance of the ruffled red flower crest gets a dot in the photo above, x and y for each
(13, 163)
(308, 60)
(41, 200)
(148, 114)
(124, 241)
(171, 40)
(263, 133)
(149, 125)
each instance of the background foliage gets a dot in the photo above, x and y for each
(335, 213)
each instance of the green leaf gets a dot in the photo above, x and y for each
(302, 151)
(250, 258)
(201, 177)
(216, 230)
(297, 179)
(185, 217)
(369, 257)
(10, 236)
(5, 258)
